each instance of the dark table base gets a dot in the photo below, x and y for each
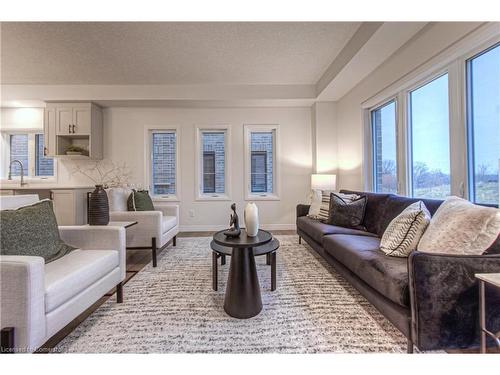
(243, 298)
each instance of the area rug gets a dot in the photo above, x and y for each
(173, 309)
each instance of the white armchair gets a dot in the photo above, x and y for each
(154, 229)
(38, 299)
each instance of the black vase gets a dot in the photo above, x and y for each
(98, 207)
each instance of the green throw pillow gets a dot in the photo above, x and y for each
(140, 201)
(32, 230)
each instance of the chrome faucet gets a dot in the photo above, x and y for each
(22, 171)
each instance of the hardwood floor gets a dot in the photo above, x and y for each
(136, 261)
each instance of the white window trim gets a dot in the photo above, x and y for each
(275, 195)
(451, 61)
(29, 173)
(148, 129)
(199, 195)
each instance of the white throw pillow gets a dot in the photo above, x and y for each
(117, 198)
(315, 203)
(460, 227)
(403, 233)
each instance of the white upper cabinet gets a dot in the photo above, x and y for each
(73, 130)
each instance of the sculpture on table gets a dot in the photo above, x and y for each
(234, 224)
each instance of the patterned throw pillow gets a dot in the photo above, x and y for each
(32, 231)
(404, 231)
(140, 201)
(346, 212)
(460, 227)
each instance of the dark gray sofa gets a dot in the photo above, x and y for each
(431, 298)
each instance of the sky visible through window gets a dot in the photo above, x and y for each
(484, 107)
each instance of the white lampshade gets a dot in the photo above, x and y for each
(323, 181)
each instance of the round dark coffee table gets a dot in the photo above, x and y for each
(243, 298)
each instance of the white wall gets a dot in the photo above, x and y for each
(124, 142)
(430, 42)
(324, 137)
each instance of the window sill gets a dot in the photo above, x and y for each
(215, 197)
(160, 198)
(263, 197)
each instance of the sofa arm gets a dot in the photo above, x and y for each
(168, 210)
(23, 300)
(97, 238)
(302, 209)
(444, 299)
(149, 225)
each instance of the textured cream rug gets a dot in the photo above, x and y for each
(172, 308)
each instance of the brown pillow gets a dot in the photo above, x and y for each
(349, 214)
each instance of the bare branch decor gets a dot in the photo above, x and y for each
(103, 172)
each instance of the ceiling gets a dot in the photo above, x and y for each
(170, 53)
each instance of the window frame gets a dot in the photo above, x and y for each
(30, 172)
(452, 61)
(470, 157)
(248, 130)
(409, 130)
(212, 128)
(372, 157)
(148, 162)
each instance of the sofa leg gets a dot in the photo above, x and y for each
(7, 340)
(300, 240)
(119, 293)
(174, 241)
(409, 349)
(153, 249)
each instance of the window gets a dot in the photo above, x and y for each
(261, 174)
(212, 163)
(43, 166)
(28, 148)
(483, 115)
(430, 140)
(383, 122)
(19, 151)
(163, 162)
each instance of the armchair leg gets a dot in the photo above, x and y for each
(7, 340)
(174, 241)
(409, 349)
(300, 240)
(119, 293)
(153, 249)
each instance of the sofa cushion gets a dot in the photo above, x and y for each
(167, 223)
(347, 213)
(139, 200)
(362, 255)
(316, 229)
(373, 211)
(73, 273)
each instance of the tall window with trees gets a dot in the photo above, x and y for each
(383, 123)
(483, 115)
(430, 140)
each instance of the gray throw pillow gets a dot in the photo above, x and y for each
(32, 230)
(344, 213)
(139, 200)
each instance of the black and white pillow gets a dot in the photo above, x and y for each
(320, 205)
(347, 210)
(404, 231)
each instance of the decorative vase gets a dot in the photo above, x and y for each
(98, 207)
(251, 215)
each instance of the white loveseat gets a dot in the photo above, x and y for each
(154, 229)
(38, 299)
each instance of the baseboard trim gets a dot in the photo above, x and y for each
(213, 228)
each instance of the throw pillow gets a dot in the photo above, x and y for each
(404, 231)
(140, 201)
(461, 227)
(32, 230)
(314, 208)
(117, 198)
(322, 213)
(347, 213)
